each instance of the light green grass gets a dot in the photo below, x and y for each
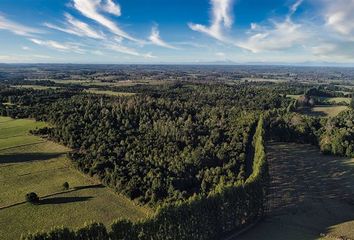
(110, 93)
(295, 97)
(337, 100)
(125, 83)
(29, 163)
(35, 87)
(327, 111)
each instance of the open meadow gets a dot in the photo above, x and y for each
(324, 111)
(31, 164)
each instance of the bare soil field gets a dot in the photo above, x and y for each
(311, 196)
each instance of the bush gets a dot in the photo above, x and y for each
(66, 186)
(32, 198)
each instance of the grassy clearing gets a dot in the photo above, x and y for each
(35, 87)
(324, 111)
(110, 93)
(265, 80)
(295, 97)
(125, 83)
(310, 197)
(338, 100)
(29, 163)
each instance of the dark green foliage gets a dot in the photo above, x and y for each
(93, 231)
(352, 102)
(32, 198)
(338, 135)
(66, 186)
(228, 208)
(333, 136)
(162, 146)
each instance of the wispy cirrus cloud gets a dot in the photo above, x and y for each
(17, 28)
(94, 9)
(76, 27)
(221, 18)
(156, 39)
(126, 50)
(58, 46)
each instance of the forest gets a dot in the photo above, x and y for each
(179, 146)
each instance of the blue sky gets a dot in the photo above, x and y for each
(176, 31)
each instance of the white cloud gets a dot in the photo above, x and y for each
(336, 37)
(221, 18)
(126, 50)
(156, 39)
(339, 16)
(77, 28)
(58, 46)
(294, 7)
(17, 28)
(24, 58)
(342, 50)
(281, 36)
(92, 9)
(112, 8)
(220, 54)
(25, 48)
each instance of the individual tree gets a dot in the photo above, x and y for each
(66, 186)
(32, 197)
(352, 102)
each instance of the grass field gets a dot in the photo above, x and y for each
(29, 163)
(295, 97)
(110, 93)
(311, 196)
(35, 87)
(324, 111)
(125, 83)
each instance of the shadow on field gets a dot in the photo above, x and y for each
(89, 187)
(309, 111)
(310, 194)
(27, 157)
(62, 200)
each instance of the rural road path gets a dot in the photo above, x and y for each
(311, 196)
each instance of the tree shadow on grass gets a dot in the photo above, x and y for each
(63, 200)
(27, 157)
(312, 113)
(89, 187)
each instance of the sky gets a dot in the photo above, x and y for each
(177, 31)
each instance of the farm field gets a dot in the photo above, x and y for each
(35, 87)
(29, 163)
(110, 93)
(311, 196)
(125, 83)
(324, 111)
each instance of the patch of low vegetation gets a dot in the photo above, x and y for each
(108, 92)
(41, 166)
